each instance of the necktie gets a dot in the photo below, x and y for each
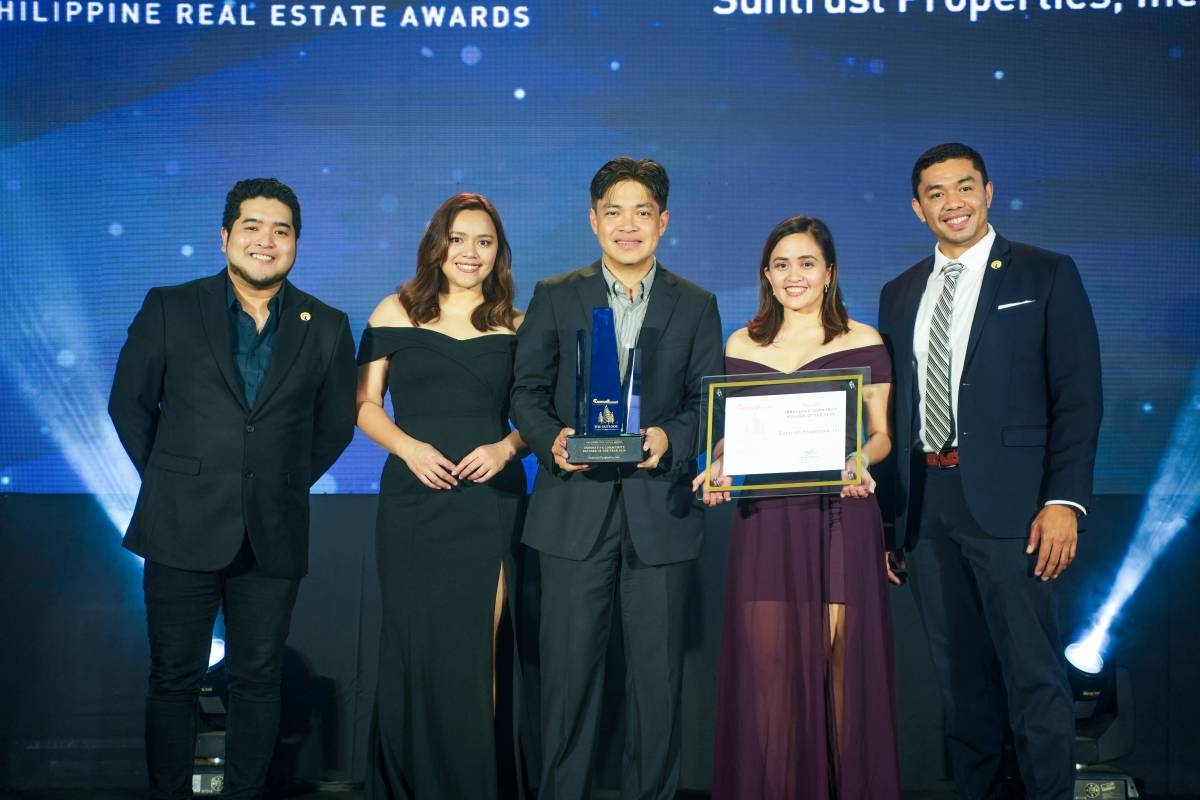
(939, 422)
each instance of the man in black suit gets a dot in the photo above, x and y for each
(626, 530)
(233, 394)
(997, 412)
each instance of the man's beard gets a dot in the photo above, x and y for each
(259, 283)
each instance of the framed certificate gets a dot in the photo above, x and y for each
(784, 434)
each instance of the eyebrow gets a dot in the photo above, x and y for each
(277, 223)
(638, 205)
(464, 233)
(959, 182)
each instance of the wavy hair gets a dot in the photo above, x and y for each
(419, 294)
(769, 318)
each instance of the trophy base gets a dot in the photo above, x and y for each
(624, 448)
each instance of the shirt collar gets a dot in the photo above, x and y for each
(231, 301)
(973, 260)
(617, 289)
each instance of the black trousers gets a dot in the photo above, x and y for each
(181, 607)
(994, 637)
(577, 604)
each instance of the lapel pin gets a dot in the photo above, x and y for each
(305, 316)
(997, 264)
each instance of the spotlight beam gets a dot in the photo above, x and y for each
(1170, 504)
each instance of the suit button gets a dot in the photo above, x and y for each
(249, 429)
(249, 473)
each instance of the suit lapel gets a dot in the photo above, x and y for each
(663, 296)
(591, 293)
(289, 338)
(911, 303)
(992, 278)
(214, 317)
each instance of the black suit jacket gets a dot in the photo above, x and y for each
(1029, 402)
(681, 343)
(214, 470)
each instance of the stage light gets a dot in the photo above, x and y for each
(1172, 500)
(208, 771)
(216, 652)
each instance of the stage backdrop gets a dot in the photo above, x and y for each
(122, 126)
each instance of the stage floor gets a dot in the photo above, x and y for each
(345, 793)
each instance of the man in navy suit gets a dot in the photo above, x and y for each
(232, 395)
(997, 412)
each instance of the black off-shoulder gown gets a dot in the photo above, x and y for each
(439, 554)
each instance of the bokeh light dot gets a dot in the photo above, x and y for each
(116, 229)
(187, 251)
(519, 93)
(471, 55)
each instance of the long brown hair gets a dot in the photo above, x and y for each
(769, 318)
(419, 294)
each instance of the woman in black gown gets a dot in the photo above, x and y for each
(805, 700)
(450, 504)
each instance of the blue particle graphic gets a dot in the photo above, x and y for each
(614, 65)
(998, 74)
(187, 251)
(389, 204)
(324, 170)
(116, 229)
(303, 54)
(5, 480)
(1175, 53)
(457, 174)
(65, 358)
(471, 55)
(851, 61)
(875, 66)
(427, 52)
(594, 12)
(519, 93)
(869, 197)
(1147, 407)
(1016, 204)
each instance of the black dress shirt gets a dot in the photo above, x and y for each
(252, 348)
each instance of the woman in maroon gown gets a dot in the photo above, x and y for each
(805, 705)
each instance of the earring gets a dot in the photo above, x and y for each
(827, 288)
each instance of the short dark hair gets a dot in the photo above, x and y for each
(260, 187)
(944, 152)
(769, 318)
(646, 172)
(419, 295)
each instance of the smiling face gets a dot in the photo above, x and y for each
(628, 224)
(471, 252)
(260, 247)
(798, 273)
(953, 199)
